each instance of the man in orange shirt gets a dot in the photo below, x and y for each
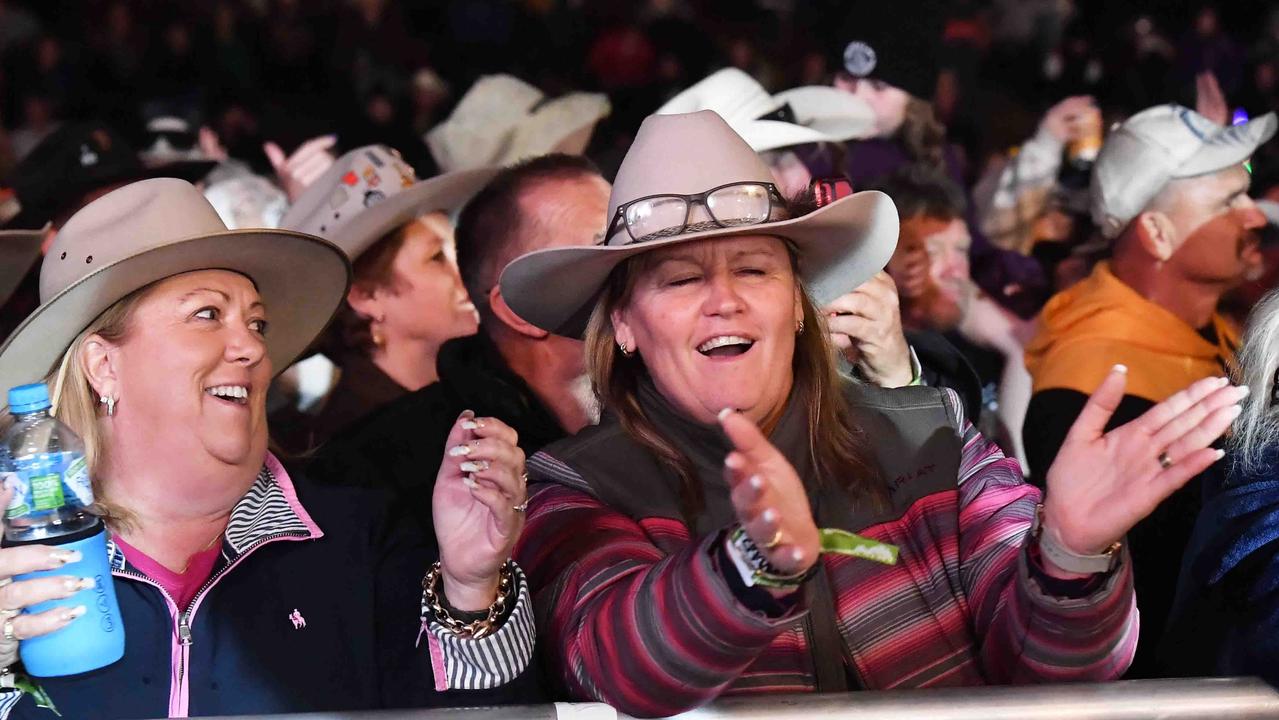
(1170, 191)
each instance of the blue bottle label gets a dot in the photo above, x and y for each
(48, 481)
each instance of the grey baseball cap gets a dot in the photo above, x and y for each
(1160, 144)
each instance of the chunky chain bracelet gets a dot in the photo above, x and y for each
(476, 629)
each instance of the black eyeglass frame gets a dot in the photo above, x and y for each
(620, 215)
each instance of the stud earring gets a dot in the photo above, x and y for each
(109, 401)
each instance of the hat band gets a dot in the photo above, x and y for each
(660, 217)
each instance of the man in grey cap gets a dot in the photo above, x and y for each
(1170, 192)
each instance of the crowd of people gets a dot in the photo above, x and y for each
(478, 353)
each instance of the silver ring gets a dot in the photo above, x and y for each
(5, 581)
(1165, 462)
(521, 508)
(8, 631)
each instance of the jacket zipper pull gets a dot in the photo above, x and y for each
(184, 629)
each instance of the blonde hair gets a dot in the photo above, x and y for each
(835, 444)
(73, 399)
(1256, 430)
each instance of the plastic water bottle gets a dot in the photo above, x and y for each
(43, 461)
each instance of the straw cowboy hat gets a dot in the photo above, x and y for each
(154, 229)
(19, 250)
(502, 120)
(370, 191)
(767, 122)
(840, 245)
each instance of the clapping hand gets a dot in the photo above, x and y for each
(1103, 483)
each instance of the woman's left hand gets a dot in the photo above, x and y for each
(1104, 483)
(478, 508)
(866, 325)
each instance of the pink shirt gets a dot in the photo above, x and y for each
(182, 587)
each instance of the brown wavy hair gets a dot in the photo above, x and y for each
(836, 444)
(922, 134)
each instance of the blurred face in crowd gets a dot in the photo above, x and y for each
(1215, 224)
(714, 323)
(191, 372)
(888, 102)
(425, 299)
(930, 267)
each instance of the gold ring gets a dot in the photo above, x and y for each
(774, 541)
(521, 508)
(1165, 462)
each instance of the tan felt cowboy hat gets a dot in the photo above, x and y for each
(371, 191)
(154, 229)
(800, 116)
(840, 245)
(19, 250)
(502, 120)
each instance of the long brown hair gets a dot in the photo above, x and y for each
(835, 443)
(922, 134)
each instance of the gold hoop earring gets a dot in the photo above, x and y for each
(621, 346)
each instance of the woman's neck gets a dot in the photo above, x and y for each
(410, 363)
(170, 512)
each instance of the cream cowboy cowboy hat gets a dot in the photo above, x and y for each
(800, 116)
(154, 229)
(502, 120)
(840, 245)
(371, 191)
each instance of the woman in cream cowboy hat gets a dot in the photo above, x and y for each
(245, 590)
(743, 519)
(406, 297)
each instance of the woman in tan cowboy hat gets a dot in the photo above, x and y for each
(745, 520)
(406, 297)
(243, 589)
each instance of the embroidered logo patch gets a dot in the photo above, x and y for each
(296, 618)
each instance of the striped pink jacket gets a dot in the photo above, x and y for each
(634, 611)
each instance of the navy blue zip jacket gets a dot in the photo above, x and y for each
(314, 605)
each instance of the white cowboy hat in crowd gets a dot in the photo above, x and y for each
(840, 245)
(153, 229)
(370, 191)
(502, 120)
(800, 116)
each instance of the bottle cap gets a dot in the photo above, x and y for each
(28, 398)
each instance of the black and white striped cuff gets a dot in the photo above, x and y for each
(494, 660)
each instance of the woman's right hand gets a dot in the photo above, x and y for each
(769, 497)
(18, 595)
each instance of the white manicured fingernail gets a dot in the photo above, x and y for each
(77, 584)
(459, 450)
(1236, 411)
(725, 412)
(797, 555)
(1223, 381)
(73, 613)
(469, 424)
(469, 481)
(1220, 455)
(770, 515)
(1120, 368)
(66, 557)
(756, 482)
(474, 466)
(732, 462)
(1244, 391)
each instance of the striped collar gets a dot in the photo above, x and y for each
(269, 510)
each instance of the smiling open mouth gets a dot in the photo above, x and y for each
(725, 346)
(236, 394)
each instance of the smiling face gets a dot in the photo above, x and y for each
(714, 323)
(192, 371)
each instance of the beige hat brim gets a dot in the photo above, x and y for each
(19, 250)
(840, 247)
(300, 278)
(444, 193)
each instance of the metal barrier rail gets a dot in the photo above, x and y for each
(1215, 699)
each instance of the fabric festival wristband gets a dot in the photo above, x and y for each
(842, 542)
